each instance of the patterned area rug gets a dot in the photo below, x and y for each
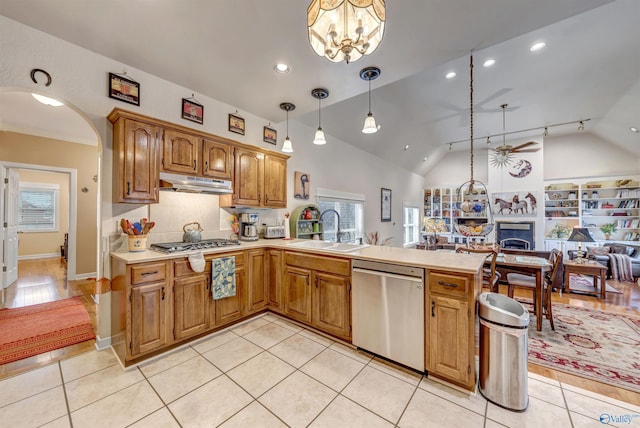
(601, 346)
(35, 329)
(584, 283)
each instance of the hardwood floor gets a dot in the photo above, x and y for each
(41, 281)
(45, 280)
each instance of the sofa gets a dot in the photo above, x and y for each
(601, 255)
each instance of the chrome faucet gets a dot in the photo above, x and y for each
(338, 233)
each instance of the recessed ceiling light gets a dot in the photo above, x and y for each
(47, 101)
(282, 68)
(537, 46)
(406, 147)
(634, 129)
(450, 75)
(489, 63)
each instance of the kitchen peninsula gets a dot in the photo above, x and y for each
(159, 302)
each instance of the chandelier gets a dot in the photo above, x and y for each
(345, 29)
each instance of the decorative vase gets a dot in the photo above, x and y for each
(607, 236)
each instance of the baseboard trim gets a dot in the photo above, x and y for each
(84, 276)
(102, 344)
(39, 256)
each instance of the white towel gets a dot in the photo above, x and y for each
(196, 260)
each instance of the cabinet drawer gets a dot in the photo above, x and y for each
(449, 284)
(239, 255)
(324, 264)
(183, 268)
(148, 272)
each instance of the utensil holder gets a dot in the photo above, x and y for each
(137, 243)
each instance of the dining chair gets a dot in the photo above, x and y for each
(528, 282)
(490, 276)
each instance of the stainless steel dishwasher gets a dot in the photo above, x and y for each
(388, 311)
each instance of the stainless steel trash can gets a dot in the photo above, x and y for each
(503, 351)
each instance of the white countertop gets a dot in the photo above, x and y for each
(447, 260)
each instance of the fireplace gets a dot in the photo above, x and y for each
(516, 235)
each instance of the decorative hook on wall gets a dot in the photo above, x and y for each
(39, 70)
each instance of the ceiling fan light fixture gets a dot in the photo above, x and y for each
(345, 29)
(319, 94)
(369, 74)
(287, 145)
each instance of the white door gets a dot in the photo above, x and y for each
(11, 228)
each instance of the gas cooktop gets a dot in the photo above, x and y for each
(205, 244)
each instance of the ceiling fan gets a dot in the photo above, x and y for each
(503, 154)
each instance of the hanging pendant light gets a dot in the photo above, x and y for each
(319, 94)
(369, 74)
(287, 146)
(345, 29)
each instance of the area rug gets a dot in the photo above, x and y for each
(32, 330)
(584, 283)
(601, 346)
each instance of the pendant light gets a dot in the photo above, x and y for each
(287, 146)
(319, 94)
(369, 74)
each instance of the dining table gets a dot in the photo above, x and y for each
(528, 265)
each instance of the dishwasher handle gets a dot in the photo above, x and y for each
(388, 275)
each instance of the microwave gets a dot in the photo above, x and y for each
(272, 232)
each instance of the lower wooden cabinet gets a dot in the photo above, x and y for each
(148, 310)
(257, 275)
(230, 309)
(317, 292)
(274, 280)
(450, 310)
(191, 303)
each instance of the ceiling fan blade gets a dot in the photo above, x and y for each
(524, 151)
(522, 146)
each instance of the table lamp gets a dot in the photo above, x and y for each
(432, 225)
(580, 235)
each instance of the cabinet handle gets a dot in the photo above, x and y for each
(206, 165)
(162, 293)
(149, 273)
(207, 281)
(128, 187)
(195, 165)
(266, 199)
(259, 198)
(433, 308)
(447, 284)
(316, 282)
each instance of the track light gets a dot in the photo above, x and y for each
(546, 132)
(488, 141)
(581, 126)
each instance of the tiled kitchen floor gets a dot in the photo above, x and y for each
(269, 372)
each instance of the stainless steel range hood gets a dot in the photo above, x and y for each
(187, 183)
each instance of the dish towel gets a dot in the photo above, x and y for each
(196, 261)
(223, 277)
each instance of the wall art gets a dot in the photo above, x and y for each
(524, 203)
(236, 124)
(269, 135)
(192, 111)
(124, 89)
(301, 185)
(385, 204)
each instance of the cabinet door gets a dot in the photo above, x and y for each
(181, 152)
(274, 278)
(248, 178)
(256, 285)
(137, 171)
(148, 318)
(448, 347)
(231, 308)
(275, 182)
(217, 160)
(297, 293)
(190, 305)
(332, 305)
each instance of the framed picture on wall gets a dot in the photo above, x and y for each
(269, 135)
(236, 124)
(192, 111)
(123, 89)
(385, 204)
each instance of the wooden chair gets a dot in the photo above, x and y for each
(528, 282)
(489, 275)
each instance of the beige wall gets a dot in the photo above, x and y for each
(46, 243)
(32, 150)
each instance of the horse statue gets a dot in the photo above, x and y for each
(504, 205)
(532, 201)
(517, 204)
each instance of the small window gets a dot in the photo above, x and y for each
(411, 225)
(351, 218)
(38, 207)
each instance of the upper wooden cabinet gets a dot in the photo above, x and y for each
(190, 154)
(136, 158)
(260, 180)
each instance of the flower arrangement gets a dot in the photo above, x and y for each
(235, 223)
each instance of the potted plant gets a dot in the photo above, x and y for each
(559, 231)
(608, 229)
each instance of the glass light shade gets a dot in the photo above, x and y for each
(287, 147)
(319, 139)
(369, 125)
(47, 101)
(345, 29)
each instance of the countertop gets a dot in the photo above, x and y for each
(446, 260)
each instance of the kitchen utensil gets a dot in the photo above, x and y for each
(191, 233)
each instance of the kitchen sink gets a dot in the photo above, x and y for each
(329, 246)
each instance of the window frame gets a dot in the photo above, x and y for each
(54, 189)
(356, 233)
(406, 206)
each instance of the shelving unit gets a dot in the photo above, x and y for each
(303, 227)
(446, 203)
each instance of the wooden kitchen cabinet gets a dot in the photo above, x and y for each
(260, 180)
(257, 296)
(450, 308)
(136, 158)
(191, 154)
(217, 159)
(274, 280)
(191, 293)
(232, 308)
(317, 291)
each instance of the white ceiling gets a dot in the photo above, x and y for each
(227, 50)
